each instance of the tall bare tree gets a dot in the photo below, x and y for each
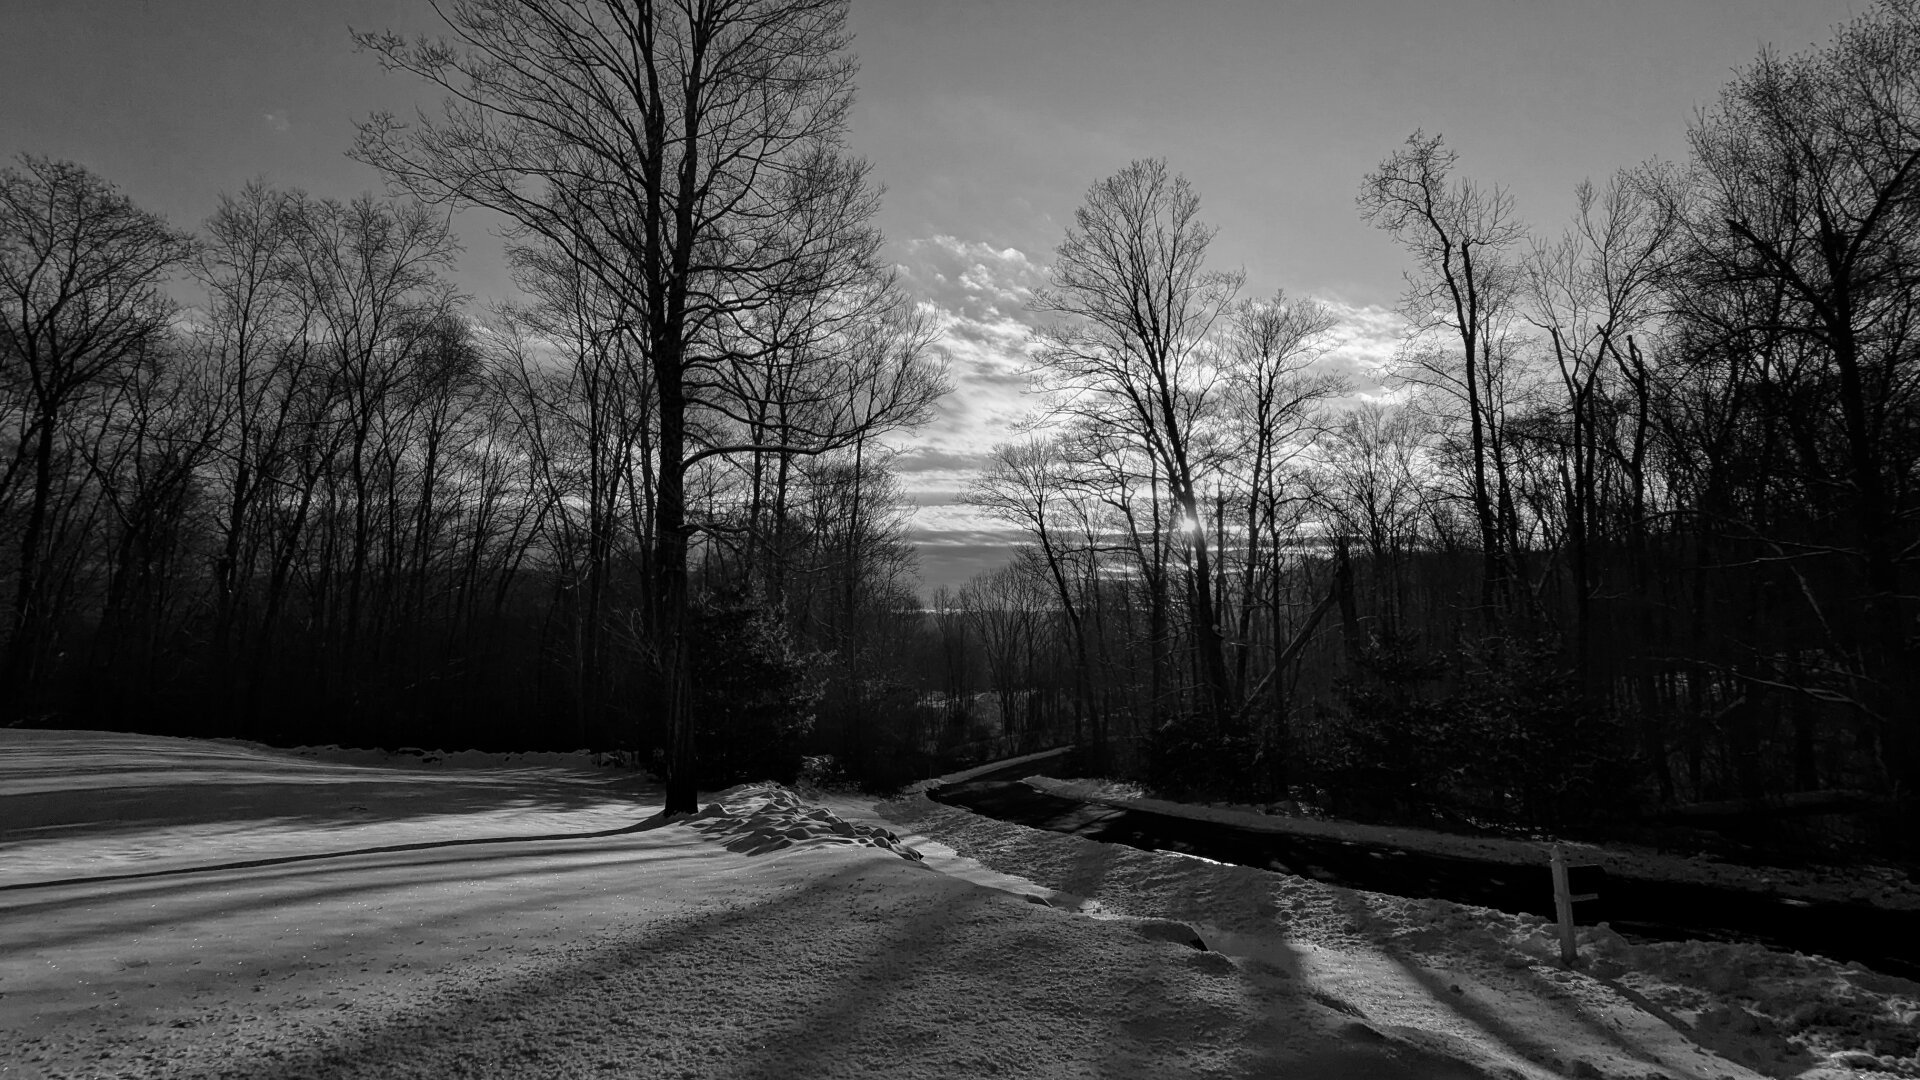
(81, 269)
(1592, 290)
(686, 154)
(1459, 234)
(1138, 304)
(1806, 190)
(1273, 394)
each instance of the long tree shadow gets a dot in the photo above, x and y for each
(56, 787)
(867, 969)
(862, 971)
(323, 856)
(163, 800)
(1490, 1020)
(295, 884)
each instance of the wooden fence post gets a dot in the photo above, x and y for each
(1563, 906)
(1563, 900)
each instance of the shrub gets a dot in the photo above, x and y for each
(1497, 732)
(754, 696)
(1190, 755)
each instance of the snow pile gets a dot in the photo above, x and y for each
(1776, 1014)
(1881, 886)
(755, 819)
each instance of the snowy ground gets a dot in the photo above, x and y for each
(181, 908)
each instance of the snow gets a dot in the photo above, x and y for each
(324, 914)
(977, 771)
(103, 804)
(1881, 886)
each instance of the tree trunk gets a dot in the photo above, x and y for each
(24, 643)
(669, 629)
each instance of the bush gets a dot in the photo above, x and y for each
(1501, 733)
(754, 696)
(1191, 756)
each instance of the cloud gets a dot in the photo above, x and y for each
(956, 541)
(973, 280)
(978, 295)
(934, 469)
(951, 564)
(1363, 345)
(277, 119)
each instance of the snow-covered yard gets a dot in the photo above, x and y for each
(184, 908)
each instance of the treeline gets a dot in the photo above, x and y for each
(326, 498)
(1637, 528)
(330, 501)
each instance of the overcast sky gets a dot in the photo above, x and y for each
(986, 120)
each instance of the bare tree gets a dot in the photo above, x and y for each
(1139, 304)
(80, 273)
(369, 273)
(1372, 477)
(248, 335)
(1273, 394)
(1029, 486)
(1592, 291)
(686, 155)
(1004, 608)
(1806, 191)
(1459, 234)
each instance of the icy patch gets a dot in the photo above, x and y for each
(755, 819)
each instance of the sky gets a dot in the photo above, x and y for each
(986, 120)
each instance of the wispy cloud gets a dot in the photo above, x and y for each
(277, 120)
(1363, 345)
(978, 294)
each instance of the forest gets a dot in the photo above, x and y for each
(1634, 526)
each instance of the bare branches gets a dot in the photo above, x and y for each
(1459, 234)
(80, 275)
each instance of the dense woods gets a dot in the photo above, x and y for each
(1634, 524)
(1634, 527)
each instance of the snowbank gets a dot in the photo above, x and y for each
(1684, 1009)
(1881, 886)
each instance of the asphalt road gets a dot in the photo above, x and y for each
(1887, 941)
